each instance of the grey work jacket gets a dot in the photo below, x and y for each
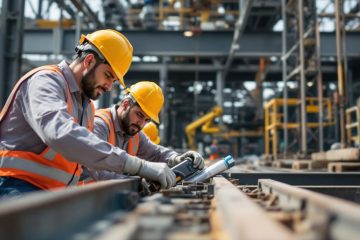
(147, 150)
(38, 118)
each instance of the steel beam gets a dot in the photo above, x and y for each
(241, 218)
(322, 217)
(60, 214)
(173, 43)
(351, 193)
(308, 178)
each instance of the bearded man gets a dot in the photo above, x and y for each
(121, 126)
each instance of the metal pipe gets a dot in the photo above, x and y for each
(78, 28)
(302, 79)
(218, 167)
(165, 113)
(284, 73)
(338, 9)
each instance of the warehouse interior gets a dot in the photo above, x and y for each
(273, 83)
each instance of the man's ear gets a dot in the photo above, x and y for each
(125, 104)
(89, 61)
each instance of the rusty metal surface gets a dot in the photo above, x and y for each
(242, 217)
(218, 209)
(304, 178)
(308, 214)
(60, 214)
(179, 213)
(350, 193)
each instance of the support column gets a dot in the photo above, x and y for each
(11, 42)
(164, 115)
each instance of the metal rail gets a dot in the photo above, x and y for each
(312, 214)
(61, 214)
(306, 178)
(242, 217)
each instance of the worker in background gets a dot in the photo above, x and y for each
(152, 132)
(46, 123)
(121, 125)
(214, 150)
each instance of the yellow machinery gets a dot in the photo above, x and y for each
(219, 131)
(205, 121)
(274, 119)
(353, 123)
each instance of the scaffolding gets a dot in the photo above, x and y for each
(275, 120)
(300, 62)
(353, 125)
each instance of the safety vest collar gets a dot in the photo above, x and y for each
(106, 116)
(69, 76)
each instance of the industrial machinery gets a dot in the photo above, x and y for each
(216, 130)
(204, 121)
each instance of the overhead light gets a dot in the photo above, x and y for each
(188, 33)
(136, 59)
(221, 9)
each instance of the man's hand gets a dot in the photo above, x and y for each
(158, 172)
(197, 159)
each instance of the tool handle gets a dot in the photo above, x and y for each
(181, 170)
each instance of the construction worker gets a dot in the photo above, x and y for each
(152, 132)
(121, 125)
(46, 123)
(214, 150)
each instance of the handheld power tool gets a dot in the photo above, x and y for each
(182, 170)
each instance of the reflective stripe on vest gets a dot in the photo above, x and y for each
(105, 115)
(48, 169)
(38, 169)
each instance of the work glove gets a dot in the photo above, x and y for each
(196, 158)
(158, 172)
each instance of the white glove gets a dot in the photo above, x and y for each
(196, 158)
(158, 172)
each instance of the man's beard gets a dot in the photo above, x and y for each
(125, 123)
(88, 84)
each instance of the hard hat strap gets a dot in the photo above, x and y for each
(89, 48)
(129, 96)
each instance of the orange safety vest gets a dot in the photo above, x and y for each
(49, 169)
(214, 155)
(105, 115)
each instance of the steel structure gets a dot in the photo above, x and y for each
(210, 43)
(299, 58)
(222, 208)
(11, 44)
(353, 125)
(275, 120)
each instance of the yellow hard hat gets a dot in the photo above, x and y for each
(152, 132)
(114, 47)
(150, 98)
